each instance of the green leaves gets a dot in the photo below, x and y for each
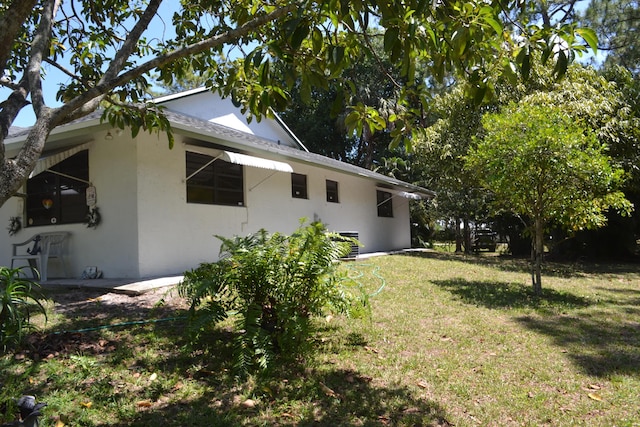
(542, 164)
(146, 117)
(19, 299)
(362, 116)
(589, 36)
(257, 52)
(275, 284)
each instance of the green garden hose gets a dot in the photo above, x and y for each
(116, 325)
(355, 274)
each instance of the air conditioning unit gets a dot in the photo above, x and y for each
(355, 249)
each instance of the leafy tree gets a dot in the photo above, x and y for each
(544, 165)
(603, 103)
(108, 51)
(440, 152)
(321, 132)
(333, 126)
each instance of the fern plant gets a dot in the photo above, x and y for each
(276, 284)
(20, 297)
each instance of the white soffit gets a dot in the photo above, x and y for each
(49, 160)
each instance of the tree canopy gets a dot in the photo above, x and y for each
(545, 166)
(109, 50)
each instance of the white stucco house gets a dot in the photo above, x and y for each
(160, 208)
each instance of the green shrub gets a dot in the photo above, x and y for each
(274, 284)
(20, 297)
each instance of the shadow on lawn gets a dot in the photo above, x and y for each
(111, 367)
(329, 398)
(521, 265)
(595, 340)
(597, 344)
(293, 396)
(506, 295)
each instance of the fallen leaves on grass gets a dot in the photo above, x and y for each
(591, 392)
(326, 390)
(249, 403)
(595, 396)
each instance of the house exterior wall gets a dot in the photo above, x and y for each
(148, 229)
(112, 246)
(175, 235)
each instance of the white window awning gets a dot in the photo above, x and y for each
(412, 196)
(242, 159)
(47, 161)
(256, 162)
(405, 194)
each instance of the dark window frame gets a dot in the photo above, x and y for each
(58, 195)
(333, 195)
(299, 186)
(218, 183)
(384, 200)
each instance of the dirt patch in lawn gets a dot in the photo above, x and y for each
(100, 304)
(76, 317)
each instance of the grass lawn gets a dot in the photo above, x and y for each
(452, 340)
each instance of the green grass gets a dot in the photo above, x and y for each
(452, 340)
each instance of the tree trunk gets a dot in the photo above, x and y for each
(14, 172)
(537, 251)
(458, 236)
(467, 236)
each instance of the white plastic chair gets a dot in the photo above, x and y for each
(45, 246)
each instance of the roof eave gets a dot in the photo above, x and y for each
(281, 153)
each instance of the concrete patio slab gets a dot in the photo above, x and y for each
(140, 286)
(126, 286)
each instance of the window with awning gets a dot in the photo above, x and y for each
(213, 181)
(56, 191)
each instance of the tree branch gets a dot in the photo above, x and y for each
(39, 51)
(90, 100)
(130, 44)
(10, 26)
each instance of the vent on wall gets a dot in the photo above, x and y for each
(355, 249)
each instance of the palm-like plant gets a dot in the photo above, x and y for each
(20, 297)
(274, 284)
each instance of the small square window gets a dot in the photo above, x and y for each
(332, 191)
(299, 186)
(385, 204)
